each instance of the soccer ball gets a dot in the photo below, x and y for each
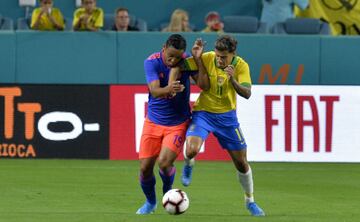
(175, 201)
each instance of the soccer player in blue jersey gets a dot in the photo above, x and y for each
(168, 116)
(227, 75)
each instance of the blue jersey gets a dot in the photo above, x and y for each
(167, 111)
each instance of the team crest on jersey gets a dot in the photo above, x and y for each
(220, 80)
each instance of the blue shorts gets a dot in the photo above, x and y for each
(224, 126)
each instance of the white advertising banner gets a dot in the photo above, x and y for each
(301, 123)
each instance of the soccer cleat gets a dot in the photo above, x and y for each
(147, 208)
(255, 210)
(186, 175)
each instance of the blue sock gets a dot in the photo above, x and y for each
(148, 187)
(167, 178)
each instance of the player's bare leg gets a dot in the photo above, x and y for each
(147, 182)
(246, 180)
(167, 169)
(193, 145)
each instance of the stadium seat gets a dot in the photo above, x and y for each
(68, 24)
(134, 22)
(6, 23)
(108, 21)
(243, 24)
(305, 26)
(24, 24)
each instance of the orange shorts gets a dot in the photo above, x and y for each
(155, 137)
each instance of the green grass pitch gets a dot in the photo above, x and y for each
(96, 191)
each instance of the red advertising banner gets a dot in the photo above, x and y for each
(128, 105)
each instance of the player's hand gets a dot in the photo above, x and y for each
(198, 48)
(175, 87)
(230, 71)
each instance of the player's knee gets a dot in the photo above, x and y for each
(164, 163)
(192, 148)
(191, 151)
(243, 165)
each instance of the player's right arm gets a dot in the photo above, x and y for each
(174, 74)
(153, 81)
(195, 63)
(197, 50)
(164, 92)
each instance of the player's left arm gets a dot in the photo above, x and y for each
(242, 88)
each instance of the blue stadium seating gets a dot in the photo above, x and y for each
(243, 24)
(305, 26)
(6, 23)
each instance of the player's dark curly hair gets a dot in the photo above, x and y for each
(176, 41)
(226, 43)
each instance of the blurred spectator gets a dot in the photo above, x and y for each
(88, 17)
(122, 21)
(213, 23)
(47, 18)
(179, 22)
(279, 10)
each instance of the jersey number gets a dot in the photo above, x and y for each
(178, 140)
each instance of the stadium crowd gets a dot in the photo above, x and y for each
(275, 17)
(89, 17)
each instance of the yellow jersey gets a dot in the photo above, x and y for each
(45, 23)
(96, 18)
(221, 97)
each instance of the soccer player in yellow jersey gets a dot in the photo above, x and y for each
(223, 75)
(47, 18)
(88, 17)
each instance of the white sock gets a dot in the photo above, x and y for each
(246, 181)
(189, 162)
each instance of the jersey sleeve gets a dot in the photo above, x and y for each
(77, 15)
(99, 21)
(151, 73)
(190, 64)
(243, 73)
(59, 17)
(34, 16)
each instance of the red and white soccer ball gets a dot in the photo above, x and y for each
(175, 201)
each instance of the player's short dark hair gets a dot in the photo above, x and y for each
(176, 41)
(226, 43)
